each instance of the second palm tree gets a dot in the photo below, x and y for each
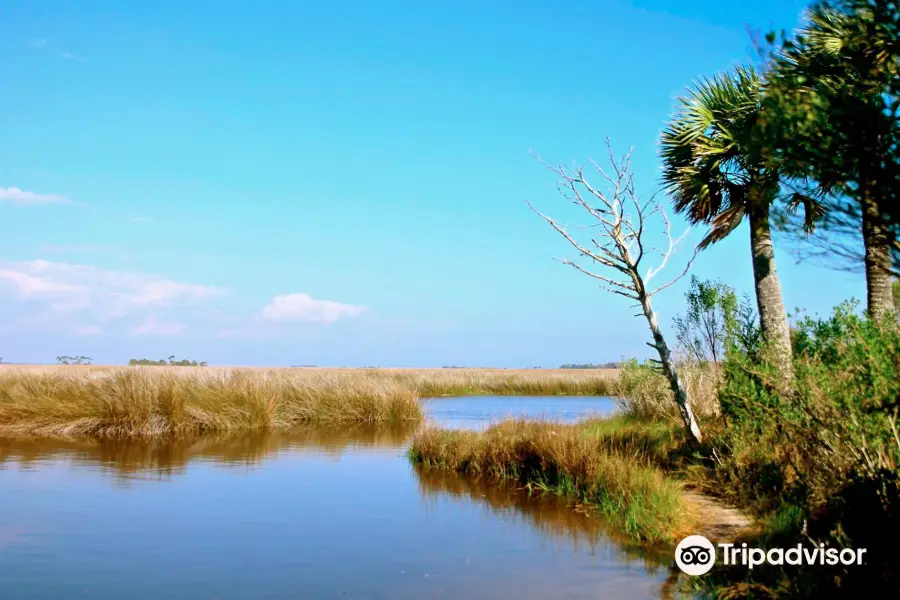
(717, 175)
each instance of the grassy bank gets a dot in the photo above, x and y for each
(153, 401)
(815, 464)
(159, 400)
(600, 463)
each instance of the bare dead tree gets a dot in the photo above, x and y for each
(621, 249)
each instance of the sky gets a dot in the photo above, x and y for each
(341, 183)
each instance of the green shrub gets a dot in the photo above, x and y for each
(818, 462)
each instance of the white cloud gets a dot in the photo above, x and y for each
(152, 326)
(69, 288)
(300, 307)
(26, 198)
(87, 300)
(30, 286)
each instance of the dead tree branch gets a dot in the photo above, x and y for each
(622, 219)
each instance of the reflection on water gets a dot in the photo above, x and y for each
(477, 412)
(161, 458)
(560, 521)
(309, 513)
(554, 517)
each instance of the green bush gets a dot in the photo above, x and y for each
(819, 461)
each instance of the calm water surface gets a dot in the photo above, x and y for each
(312, 513)
(479, 412)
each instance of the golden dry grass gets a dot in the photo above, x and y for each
(427, 382)
(100, 401)
(644, 392)
(584, 460)
(157, 401)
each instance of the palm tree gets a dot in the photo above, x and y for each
(833, 109)
(713, 167)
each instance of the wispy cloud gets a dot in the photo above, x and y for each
(277, 317)
(301, 307)
(143, 219)
(70, 56)
(84, 329)
(30, 286)
(83, 299)
(152, 326)
(43, 44)
(67, 290)
(25, 198)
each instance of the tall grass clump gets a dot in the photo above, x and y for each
(563, 459)
(143, 402)
(642, 391)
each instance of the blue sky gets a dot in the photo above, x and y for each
(338, 183)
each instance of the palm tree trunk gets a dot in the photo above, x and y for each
(876, 238)
(772, 314)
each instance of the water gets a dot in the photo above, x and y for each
(311, 513)
(479, 412)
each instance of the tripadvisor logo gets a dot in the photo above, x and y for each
(696, 555)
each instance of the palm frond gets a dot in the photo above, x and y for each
(707, 150)
(813, 209)
(723, 224)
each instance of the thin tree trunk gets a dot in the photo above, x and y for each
(692, 428)
(876, 238)
(772, 314)
(623, 232)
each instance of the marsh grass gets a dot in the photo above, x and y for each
(501, 382)
(588, 462)
(147, 401)
(642, 391)
(650, 443)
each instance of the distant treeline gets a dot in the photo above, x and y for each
(608, 365)
(169, 362)
(73, 360)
